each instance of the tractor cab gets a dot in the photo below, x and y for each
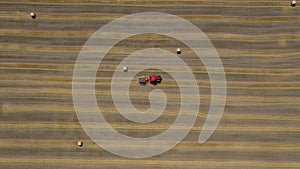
(155, 79)
(152, 79)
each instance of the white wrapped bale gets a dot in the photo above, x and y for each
(293, 3)
(33, 15)
(80, 143)
(178, 51)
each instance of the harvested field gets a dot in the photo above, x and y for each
(257, 41)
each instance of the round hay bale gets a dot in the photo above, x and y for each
(293, 3)
(125, 69)
(33, 15)
(178, 51)
(80, 143)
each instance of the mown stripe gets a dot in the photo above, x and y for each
(118, 50)
(176, 163)
(73, 126)
(183, 145)
(158, 3)
(85, 34)
(191, 18)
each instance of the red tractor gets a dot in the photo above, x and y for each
(153, 79)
